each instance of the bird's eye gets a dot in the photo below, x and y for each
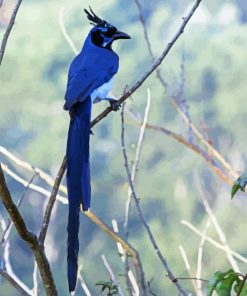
(110, 31)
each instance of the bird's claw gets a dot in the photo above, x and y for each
(114, 104)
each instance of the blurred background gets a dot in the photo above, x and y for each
(207, 64)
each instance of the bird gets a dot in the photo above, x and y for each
(90, 79)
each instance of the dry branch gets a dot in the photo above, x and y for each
(4, 274)
(142, 217)
(8, 30)
(29, 237)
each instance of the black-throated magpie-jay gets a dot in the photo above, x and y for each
(90, 79)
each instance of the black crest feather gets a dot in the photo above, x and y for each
(94, 19)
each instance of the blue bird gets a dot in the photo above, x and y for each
(90, 79)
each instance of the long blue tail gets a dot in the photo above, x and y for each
(78, 180)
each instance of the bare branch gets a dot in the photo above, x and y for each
(144, 25)
(8, 227)
(65, 34)
(130, 279)
(136, 161)
(8, 268)
(36, 188)
(112, 275)
(50, 204)
(199, 258)
(213, 242)
(187, 266)
(216, 224)
(142, 217)
(210, 147)
(35, 279)
(29, 237)
(207, 156)
(8, 30)
(83, 284)
(13, 282)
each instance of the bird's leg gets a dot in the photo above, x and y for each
(114, 104)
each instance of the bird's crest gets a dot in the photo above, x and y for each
(94, 19)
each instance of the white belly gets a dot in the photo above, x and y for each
(101, 92)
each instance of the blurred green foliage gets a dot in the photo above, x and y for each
(34, 126)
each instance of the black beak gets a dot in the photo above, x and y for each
(121, 35)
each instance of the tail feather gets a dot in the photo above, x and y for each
(78, 180)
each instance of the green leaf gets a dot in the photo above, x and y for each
(225, 286)
(235, 188)
(100, 283)
(222, 283)
(239, 184)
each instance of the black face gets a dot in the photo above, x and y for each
(103, 36)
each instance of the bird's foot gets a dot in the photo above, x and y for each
(91, 132)
(114, 104)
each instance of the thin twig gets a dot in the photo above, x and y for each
(112, 275)
(136, 161)
(8, 268)
(50, 204)
(144, 26)
(65, 34)
(214, 242)
(44, 176)
(35, 279)
(216, 224)
(29, 237)
(195, 148)
(199, 259)
(124, 259)
(8, 30)
(13, 283)
(187, 266)
(141, 280)
(213, 152)
(83, 284)
(141, 214)
(36, 188)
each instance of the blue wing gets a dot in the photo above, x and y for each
(88, 72)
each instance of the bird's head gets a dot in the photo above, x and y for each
(103, 34)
